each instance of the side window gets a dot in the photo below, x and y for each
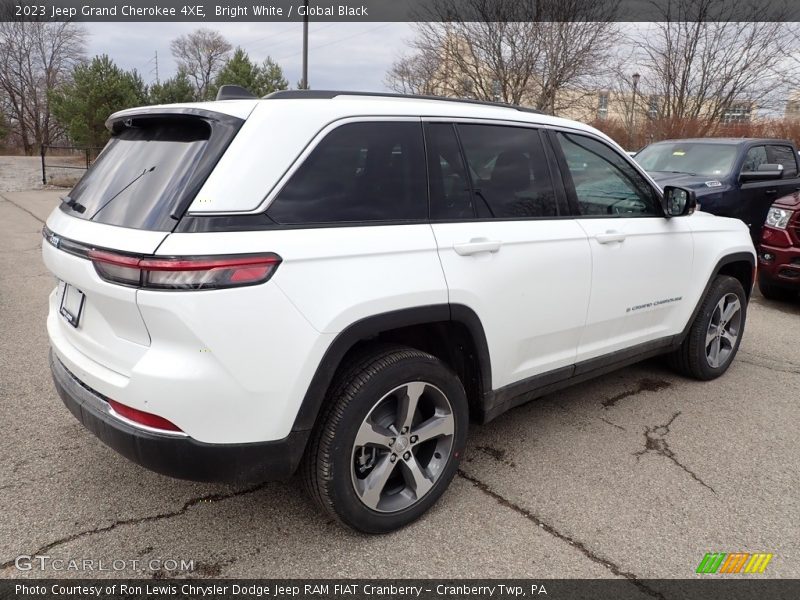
(449, 187)
(756, 156)
(605, 183)
(359, 172)
(786, 156)
(509, 171)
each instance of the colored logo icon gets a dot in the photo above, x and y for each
(737, 562)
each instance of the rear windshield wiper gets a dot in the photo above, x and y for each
(73, 204)
(134, 180)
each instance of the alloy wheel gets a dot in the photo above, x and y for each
(402, 447)
(723, 330)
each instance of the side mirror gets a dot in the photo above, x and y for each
(764, 172)
(678, 202)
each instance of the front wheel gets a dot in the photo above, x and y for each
(389, 443)
(770, 291)
(716, 332)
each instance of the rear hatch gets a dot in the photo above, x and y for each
(130, 199)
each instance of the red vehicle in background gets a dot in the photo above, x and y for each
(779, 250)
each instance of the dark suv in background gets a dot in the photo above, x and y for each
(732, 177)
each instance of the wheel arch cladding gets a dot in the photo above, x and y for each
(452, 333)
(740, 268)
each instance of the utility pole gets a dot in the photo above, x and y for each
(154, 70)
(635, 80)
(305, 46)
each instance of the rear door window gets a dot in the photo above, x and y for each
(143, 174)
(360, 172)
(509, 171)
(450, 193)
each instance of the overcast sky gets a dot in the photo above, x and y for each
(350, 56)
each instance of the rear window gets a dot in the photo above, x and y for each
(143, 173)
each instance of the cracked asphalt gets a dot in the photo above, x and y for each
(634, 475)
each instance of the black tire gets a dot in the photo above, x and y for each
(691, 358)
(770, 291)
(329, 465)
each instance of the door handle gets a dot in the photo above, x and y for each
(610, 236)
(475, 246)
(770, 192)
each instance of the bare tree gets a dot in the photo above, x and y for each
(508, 50)
(414, 74)
(632, 107)
(701, 71)
(201, 54)
(35, 58)
(789, 66)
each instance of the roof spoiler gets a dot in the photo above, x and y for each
(234, 92)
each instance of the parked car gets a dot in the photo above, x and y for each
(779, 251)
(732, 177)
(338, 281)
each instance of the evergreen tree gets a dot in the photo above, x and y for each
(175, 89)
(271, 78)
(3, 127)
(260, 79)
(97, 89)
(238, 70)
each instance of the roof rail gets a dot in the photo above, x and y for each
(328, 94)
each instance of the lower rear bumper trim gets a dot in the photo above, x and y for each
(178, 456)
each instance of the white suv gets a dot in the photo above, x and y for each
(339, 282)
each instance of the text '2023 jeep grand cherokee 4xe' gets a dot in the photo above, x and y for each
(338, 281)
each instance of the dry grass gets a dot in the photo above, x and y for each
(72, 160)
(64, 181)
(655, 130)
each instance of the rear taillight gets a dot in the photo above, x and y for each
(142, 418)
(184, 272)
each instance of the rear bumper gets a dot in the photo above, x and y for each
(177, 456)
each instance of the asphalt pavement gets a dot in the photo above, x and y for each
(634, 475)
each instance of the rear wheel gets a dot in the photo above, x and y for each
(390, 440)
(716, 332)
